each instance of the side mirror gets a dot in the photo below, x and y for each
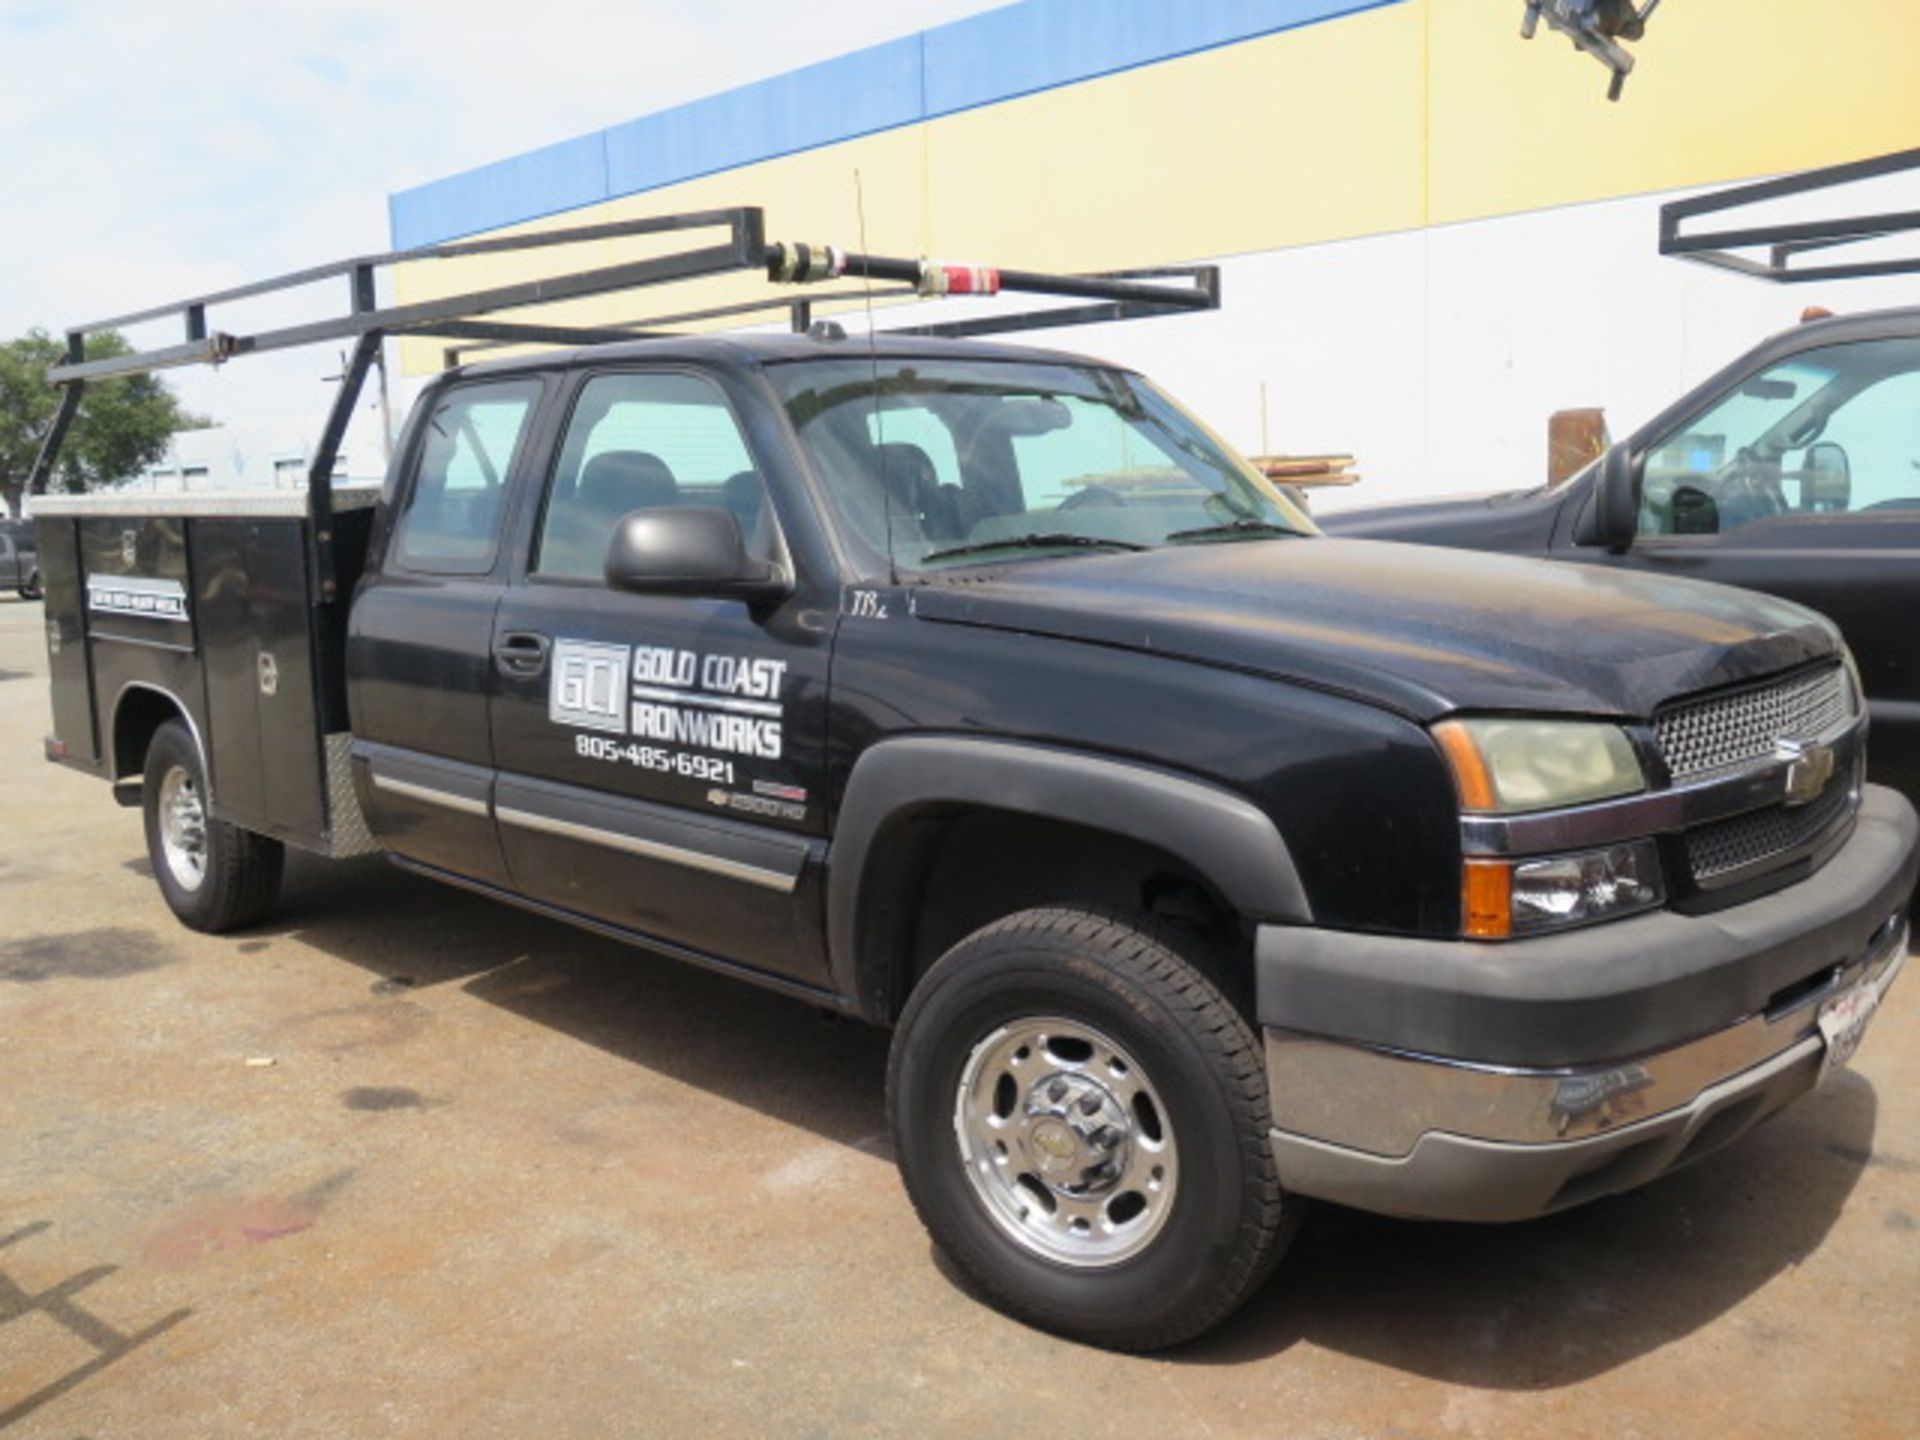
(1613, 517)
(1826, 478)
(689, 550)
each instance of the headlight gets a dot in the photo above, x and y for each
(1506, 767)
(1504, 898)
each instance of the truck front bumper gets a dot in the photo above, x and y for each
(1462, 1081)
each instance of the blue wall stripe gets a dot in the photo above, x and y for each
(1021, 49)
(541, 182)
(857, 94)
(984, 59)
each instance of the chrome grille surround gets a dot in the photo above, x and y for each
(1723, 732)
(1730, 815)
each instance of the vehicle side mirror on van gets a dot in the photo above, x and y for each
(1613, 516)
(689, 550)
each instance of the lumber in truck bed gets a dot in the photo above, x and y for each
(205, 605)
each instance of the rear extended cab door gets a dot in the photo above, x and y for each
(660, 756)
(420, 634)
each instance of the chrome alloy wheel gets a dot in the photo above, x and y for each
(1065, 1141)
(183, 828)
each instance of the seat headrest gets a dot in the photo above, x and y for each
(745, 495)
(617, 481)
(742, 493)
(908, 472)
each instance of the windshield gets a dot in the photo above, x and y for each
(963, 462)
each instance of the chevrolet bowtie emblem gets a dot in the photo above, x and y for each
(1809, 767)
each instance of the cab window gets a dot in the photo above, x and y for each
(1877, 439)
(1833, 431)
(451, 524)
(640, 442)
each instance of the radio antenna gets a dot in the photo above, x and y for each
(873, 356)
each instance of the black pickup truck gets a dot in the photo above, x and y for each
(1201, 864)
(1794, 470)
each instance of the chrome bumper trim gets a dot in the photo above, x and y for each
(1383, 1101)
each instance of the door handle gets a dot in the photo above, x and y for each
(521, 653)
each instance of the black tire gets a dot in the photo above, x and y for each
(30, 587)
(239, 877)
(1226, 1222)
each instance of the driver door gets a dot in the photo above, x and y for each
(661, 755)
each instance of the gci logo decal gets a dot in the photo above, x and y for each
(589, 686)
(728, 703)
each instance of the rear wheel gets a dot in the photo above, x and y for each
(30, 587)
(1082, 1123)
(215, 876)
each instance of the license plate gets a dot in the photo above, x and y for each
(1843, 1022)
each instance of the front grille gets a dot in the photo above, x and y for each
(1729, 845)
(1699, 737)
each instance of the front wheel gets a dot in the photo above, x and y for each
(1082, 1123)
(214, 876)
(30, 587)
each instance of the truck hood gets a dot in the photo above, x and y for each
(1419, 630)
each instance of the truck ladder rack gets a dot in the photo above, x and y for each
(1785, 241)
(464, 318)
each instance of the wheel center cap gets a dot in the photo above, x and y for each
(1077, 1135)
(1056, 1149)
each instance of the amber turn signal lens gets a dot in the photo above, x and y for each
(1470, 776)
(1486, 899)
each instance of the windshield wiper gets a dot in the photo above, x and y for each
(1044, 540)
(1245, 525)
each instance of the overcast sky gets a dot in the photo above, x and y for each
(152, 150)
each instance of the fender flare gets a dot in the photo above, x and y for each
(1224, 837)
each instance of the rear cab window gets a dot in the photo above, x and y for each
(457, 499)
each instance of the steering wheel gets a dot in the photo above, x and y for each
(1750, 492)
(1092, 495)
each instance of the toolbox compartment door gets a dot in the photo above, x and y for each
(256, 630)
(74, 727)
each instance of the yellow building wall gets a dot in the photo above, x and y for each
(1724, 90)
(1429, 112)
